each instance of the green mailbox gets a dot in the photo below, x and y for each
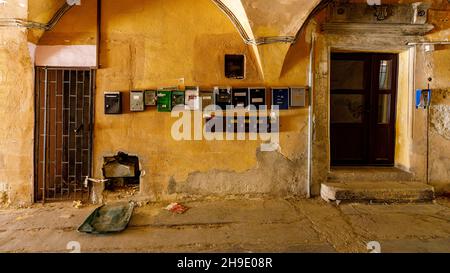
(164, 101)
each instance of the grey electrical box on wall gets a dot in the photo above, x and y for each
(137, 101)
(113, 103)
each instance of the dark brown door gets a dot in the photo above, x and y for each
(362, 108)
(63, 133)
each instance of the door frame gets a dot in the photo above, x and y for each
(323, 45)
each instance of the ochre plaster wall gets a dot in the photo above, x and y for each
(150, 44)
(16, 109)
(434, 65)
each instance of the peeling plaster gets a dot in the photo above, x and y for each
(441, 120)
(274, 174)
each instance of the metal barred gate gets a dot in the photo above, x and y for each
(64, 101)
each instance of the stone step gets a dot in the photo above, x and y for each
(377, 192)
(368, 174)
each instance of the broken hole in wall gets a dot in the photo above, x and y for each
(122, 172)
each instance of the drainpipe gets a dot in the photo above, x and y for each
(311, 115)
(428, 134)
(99, 30)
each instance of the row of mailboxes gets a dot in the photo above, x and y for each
(284, 98)
(194, 99)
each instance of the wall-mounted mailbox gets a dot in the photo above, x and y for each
(257, 96)
(206, 98)
(222, 97)
(150, 98)
(298, 96)
(137, 101)
(192, 98)
(113, 103)
(178, 98)
(240, 97)
(164, 101)
(235, 66)
(280, 98)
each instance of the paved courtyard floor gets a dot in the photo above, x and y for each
(237, 225)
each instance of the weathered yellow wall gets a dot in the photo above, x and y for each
(16, 109)
(435, 65)
(149, 44)
(153, 43)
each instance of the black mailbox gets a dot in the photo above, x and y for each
(240, 97)
(257, 96)
(113, 103)
(222, 97)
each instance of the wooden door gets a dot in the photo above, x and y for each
(362, 108)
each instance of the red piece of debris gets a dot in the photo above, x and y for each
(177, 208)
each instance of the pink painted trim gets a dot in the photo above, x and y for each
(67, 56)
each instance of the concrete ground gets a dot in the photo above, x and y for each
(237, 225)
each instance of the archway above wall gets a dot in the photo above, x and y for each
(41, 11)
(270, 27)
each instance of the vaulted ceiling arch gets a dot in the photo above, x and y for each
(270, 27)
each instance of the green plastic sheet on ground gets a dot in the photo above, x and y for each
(108, 218)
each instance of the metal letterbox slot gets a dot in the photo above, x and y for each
(137, 101)
(257, 96)
(240, 97)
(113, 103)
(280, 98)
(235, 66)
(192, 98)
(222, 97)
(206, 99)
(164, 101)
(298, 96)
(150, 98)
(178, 98)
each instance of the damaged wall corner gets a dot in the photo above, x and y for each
(439, 170)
